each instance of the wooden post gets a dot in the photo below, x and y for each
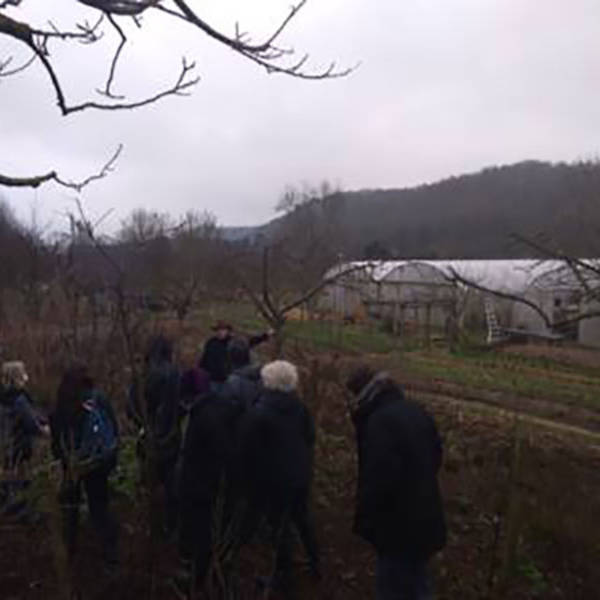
(395, 321)
(513, 513)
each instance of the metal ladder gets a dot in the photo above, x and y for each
(494, 331)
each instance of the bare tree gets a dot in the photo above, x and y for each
(112, 15)
(197, 256)
(275, 299)
(310, 236)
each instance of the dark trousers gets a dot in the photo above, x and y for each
(195, 534)
(166, 472)
(95, 485)
(284, 513)
(401, 578)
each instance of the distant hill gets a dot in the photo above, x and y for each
(474, 215)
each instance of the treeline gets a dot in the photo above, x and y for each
(158, 261)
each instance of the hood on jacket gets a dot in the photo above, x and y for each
(371, 392)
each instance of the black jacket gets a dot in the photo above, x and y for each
(277, 436)
(209, 450)
(215, 356)
(399, 506)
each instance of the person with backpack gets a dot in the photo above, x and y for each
(277, 439)
(215, 355)
(159, 419)
(19, 423)
(85, 438)
(399, 506)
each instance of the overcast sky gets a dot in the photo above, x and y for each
(445, 87)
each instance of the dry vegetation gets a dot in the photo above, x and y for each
(522, 494)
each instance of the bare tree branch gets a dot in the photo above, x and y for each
(8, 73)
(178, 89)
(570, 260)
(128, 8)
(265, 54)
(106, 169)
(455, 277)
(37, 41)
(36, 181)
(320, 286)
(115, 60)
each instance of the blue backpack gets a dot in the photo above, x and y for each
(98, 445)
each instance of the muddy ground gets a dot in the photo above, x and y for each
(522, 497)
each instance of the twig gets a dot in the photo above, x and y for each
(36, 181)
(3, 65)
(265, 54)
(115, 59)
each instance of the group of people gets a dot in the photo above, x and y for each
(245, 458)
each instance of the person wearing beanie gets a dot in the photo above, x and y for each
(399, 507)
(277, 440)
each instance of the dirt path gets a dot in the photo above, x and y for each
(560, 429)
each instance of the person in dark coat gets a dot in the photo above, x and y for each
(277, 440)
(215, 356)
(208, 492)
(19, 423)
(243, 383)
(160, 421)
(399, 506)
(76, 398)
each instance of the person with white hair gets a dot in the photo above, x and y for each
(277, 440)
(19, 423)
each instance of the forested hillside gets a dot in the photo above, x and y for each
(473, 216)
